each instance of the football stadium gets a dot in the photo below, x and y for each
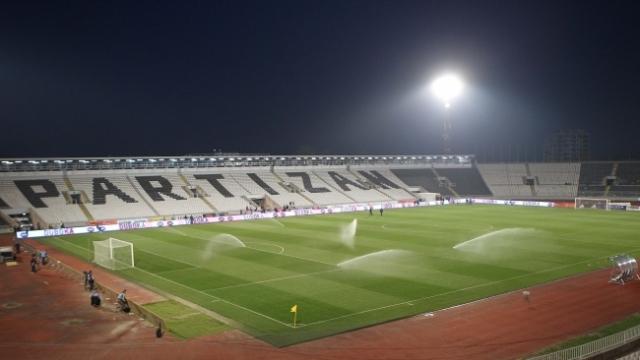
(285, 180)
(290, 249)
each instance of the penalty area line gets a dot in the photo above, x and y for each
(193, 289)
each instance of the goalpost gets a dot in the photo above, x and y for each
(591, 203)
(113, 254)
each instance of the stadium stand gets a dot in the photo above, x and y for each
(3, 204)
(110, 193)
(385, 181)
(627, 180)
(83, 194)
(283, 196)
(556, 180)
(313, 187)
(43, 191)
(352, 186)
(593, 178)
(424, 178)
(222, 191)
(465, 181)
(507, 180)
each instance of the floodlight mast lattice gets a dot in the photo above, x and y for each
(446, 88)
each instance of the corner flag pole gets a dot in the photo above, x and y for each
(294, 310)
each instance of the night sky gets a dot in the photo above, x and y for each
(306, 77)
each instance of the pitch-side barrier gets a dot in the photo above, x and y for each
(337, 209)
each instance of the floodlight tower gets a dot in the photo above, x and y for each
(446, 88)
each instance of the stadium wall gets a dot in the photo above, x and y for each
(146, 191)
(148, 223)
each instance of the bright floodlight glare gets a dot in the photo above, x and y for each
(447, 87)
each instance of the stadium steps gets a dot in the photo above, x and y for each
(269, 203)
(333, 187)
(484, 181)
(83, 208)
(135, 188)
(209, 204)
(251, 202)
(533, 187)
(281, 180)
(200, 190)
(449, 187)
(184, 178)
(246, 198)
(3, 204)
(375, 188)
(410, 193)
(614, 171)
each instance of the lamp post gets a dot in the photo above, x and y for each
(446, 88)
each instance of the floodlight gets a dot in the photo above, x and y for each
(447, 87)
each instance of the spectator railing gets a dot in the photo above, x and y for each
(593, 348)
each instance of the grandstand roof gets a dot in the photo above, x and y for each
(190, 161)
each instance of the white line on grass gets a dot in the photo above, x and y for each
(165, 272)
(216, 298)
(281, 251)
(272, 280)
(291, 256)
(419, 232)
(193, 289)
(250, 248)
(410, 302)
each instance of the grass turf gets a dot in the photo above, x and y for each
(183, 321)
(401, 264)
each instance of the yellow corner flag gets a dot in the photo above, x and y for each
(294, 310)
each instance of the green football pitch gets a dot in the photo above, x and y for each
(404, 263)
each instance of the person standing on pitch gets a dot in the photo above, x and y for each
(90, 280)
(370, 210)
(381, 210)
(34, 264)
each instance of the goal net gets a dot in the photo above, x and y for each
(592, 203)
(113, 254)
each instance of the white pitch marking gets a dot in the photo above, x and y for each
(196, 290)
(272, 280)
(410, 302)
(265, 243)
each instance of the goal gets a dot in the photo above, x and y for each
(592, 203)
(113, 254)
